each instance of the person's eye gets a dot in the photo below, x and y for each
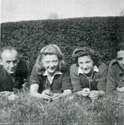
(7, 62)
(119, 59)
(88, 61)
(80, 62)
(47, 62)
(55, 61)
(15, 61)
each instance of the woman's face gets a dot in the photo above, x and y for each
(86, 64)
(50, 63)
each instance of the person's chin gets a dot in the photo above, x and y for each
(11, 72)
(51, 71)
(86, 72)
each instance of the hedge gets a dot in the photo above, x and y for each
(101, 33)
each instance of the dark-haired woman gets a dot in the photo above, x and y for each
(88, 75)
(50, 76)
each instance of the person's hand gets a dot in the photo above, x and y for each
(46, 94)
(56, 96)
(6, 93)
(121, 89)
(12, 97)
(85, 91)
(94, 95)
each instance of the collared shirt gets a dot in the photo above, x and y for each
(49, 77)
(58, 83)
(95, 69)
(115, 76)
(98, 81)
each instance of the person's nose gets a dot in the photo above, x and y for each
(84, 66)
(12, 64)
(51, 64)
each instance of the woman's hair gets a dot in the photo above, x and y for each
(85, 51)
(50, 49)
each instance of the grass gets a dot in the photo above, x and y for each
(73, 110)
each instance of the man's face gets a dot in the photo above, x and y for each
(9, 60)
(120, 58)
(86, 64)
(50, 63)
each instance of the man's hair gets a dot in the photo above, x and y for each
(7, 48)
(120, 47)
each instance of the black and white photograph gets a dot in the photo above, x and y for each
(68, 67)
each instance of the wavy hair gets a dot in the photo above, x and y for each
(85, 51)
(50, 49)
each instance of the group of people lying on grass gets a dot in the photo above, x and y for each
(52, 78)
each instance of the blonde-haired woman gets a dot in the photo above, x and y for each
(50, 76)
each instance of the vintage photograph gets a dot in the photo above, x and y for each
(62, 62)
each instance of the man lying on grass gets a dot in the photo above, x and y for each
(115, 79)
(13, 72)
(50, 75)
(88, 75)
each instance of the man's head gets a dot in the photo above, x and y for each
(120, 55)
(9, 58)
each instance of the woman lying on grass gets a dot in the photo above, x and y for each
(50, 76)
(88, 75)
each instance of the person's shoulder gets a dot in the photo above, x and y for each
(23, 61)
(64, 67)
(102, 66)
(74, 66)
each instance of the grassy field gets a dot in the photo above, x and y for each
(73, 110)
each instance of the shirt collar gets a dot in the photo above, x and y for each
(56, 73)
(81, 72)
(50, 78)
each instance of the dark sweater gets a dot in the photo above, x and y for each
(60, 81)
(22, 72)
(115, 76)
(97, 82)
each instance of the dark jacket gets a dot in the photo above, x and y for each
(22, 72)
(60, 81)
(115, 76)
(97, 82)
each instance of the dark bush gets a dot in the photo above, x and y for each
(101, 33)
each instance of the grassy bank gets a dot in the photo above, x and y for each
(73, 110)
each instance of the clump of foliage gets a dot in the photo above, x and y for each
(101, 33)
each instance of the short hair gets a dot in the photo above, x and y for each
(85, 51)
(7, 48)
(50, 49)
(120, 47)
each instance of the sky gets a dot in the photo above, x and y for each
(22, 10)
